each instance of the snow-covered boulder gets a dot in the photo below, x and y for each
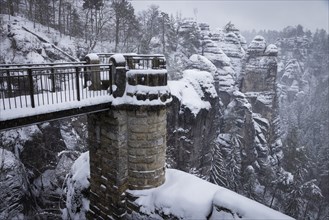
(271, 50)
(231, 46)
(216, 55)
(260, 68)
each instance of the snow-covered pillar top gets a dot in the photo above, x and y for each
(140, 80)
(93, 73)
(118, 74)
(92, 58)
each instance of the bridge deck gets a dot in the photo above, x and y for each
(39, 93)
(32, 93)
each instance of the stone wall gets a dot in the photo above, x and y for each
(146, 148)
(108, 163)
(127, 151)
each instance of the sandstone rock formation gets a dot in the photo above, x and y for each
(192, 116)
(241, 126)
(13, 187)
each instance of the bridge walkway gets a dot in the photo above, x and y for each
(33, 93)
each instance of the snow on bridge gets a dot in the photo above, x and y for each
(31, 93)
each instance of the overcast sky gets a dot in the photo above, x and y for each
(248, 14)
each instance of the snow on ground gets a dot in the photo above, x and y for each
(7, 160)
(189, 197)
(18, 137)
(183, 195)
(26, 43)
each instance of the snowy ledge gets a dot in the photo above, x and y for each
(188, 197)
(195, 90)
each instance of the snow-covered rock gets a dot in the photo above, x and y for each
(185, 196)
(202, 63)
(257, 45)
(13, 187)
(77, 202)
(194, 105)
(271, 49)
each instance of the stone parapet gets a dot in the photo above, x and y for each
(93, 72)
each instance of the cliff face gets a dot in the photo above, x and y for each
(13, 187)
(32, 177)
(258, 83)
(192, 116)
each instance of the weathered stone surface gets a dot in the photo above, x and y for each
(190, 135)
(108, 162)
(127, 151)
(261, 67)
(13, 187)
(144, 162)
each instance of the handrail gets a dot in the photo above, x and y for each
(138, 61)
(29, 87)
(50, 67)
(42, 64)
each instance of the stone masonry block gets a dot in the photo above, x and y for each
(130, 154)
(138, 144)
(137, 121)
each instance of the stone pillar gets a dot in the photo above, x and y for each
(119, 74)
(93, 72)
(107, 135)
(127, 143)
(146, 148)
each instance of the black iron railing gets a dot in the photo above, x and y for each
(137, 61)
(31, 85)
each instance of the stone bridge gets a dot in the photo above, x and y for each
(125, 99)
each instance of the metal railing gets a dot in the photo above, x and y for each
(137, 61)
(31, 85)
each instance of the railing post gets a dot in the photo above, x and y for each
(52, 76)
(77, 82)
(155, 63)
(119, 66)
(29, 72)
(10, 93)
(95, 72)
(111, 78)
